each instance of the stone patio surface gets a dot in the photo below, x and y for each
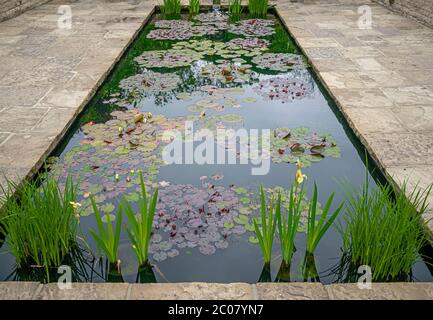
(381, 79)
(215, 291)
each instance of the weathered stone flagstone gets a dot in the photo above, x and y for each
(182, 291)
(215, 291)
(294, 291)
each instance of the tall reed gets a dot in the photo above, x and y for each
(266, 232)
(383, 228)
(316, 229)
(171, 7)
(194, 7)
(258, 8)
(235, 7)
(141, 225)
(107, 239)
(288, 224)
(41, 222)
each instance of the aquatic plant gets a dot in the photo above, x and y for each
(141, 225)
(384, 228)
(253, 28)
(41, 221)
(290, 145)
(171, 7)
(279, 61)
(107, 239)
(317, 229)
(228, 72)
(288, 224)
(172, 58)
(171, 34)
(173, 24)
(211, 17)
(250, 43)
(235, 7)
(266, 231)
(286, 89)
(194, 6)
(258, 8)
(149, 82)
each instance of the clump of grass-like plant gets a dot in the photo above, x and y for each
(194, 7)
(140, 229)
(384, 228)
(316, 229)
(107, 239)
(41, 222)
(171, 7)
(266, 231)
(288, 225)
(235, 7)
(258, 8)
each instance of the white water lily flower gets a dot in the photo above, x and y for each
(164, 183)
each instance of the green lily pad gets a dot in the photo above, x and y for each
(241, 219)
(104, 218)
(107, 207)
(229, 225)
(253, 240)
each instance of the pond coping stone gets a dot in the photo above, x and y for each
(17, 290)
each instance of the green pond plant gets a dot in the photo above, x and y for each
(288, 224)
(258, 8)
(235, 8)
(40, 222)
(107, 239)
(171, 7)
(194, 7)
(316, 229)
(384, 228)
(140, 229)
(266, 231)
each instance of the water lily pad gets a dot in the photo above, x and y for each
(229, 225)
(241, 219)
(286, 89)
(104, 218)
(279, 61)
(253, 240)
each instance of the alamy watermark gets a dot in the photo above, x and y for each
(225, 146)
(365, 20)
(365, 280)
(64, 20)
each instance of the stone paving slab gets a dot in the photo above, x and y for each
(83, 291)
(381, 291)
(47, 74)
(14, 290)
(215, 291)
(294, 291)
(192, 291)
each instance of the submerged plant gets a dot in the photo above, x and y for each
(384, 229)
(258, 8)
(194, 6)
(107, 240)
(141, 225)
(266, 232)
(317, 229)
(41, 222)
(171, 7)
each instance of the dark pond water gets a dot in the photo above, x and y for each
(210, 73)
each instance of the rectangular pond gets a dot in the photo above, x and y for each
(213, 74)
